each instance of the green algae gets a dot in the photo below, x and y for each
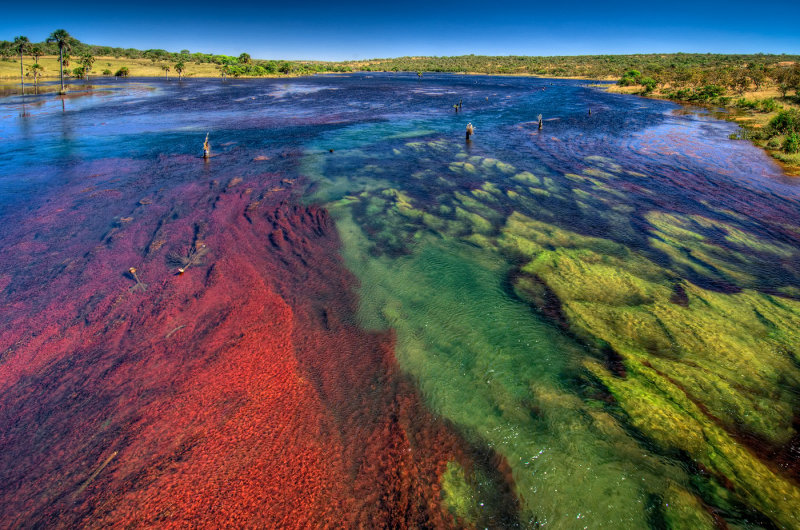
(527, 178)
(459, 495)
(681, 509)
(699, 367)
(696, 372)
(491, 367)
(715, 250)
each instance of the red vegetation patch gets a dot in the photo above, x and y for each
(240, 392)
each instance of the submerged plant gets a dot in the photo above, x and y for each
(193, 257)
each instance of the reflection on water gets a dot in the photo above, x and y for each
(604, 311)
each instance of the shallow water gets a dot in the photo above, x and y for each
(564, 300)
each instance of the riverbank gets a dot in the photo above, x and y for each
(747, 109)
(109, 66)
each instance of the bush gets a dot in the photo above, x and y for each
(710, 92)
(648, 83)
(106, 72)
(743, 103)
(683, 94)
(122, 72)
(629, 78)
(786, 122)
(792, 143)
(769, 105)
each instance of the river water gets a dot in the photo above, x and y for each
(600, 315)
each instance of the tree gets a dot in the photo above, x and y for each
(740, 81)
(87, 60)
(783, 77)
(794, 79)
(179, 66)
(245, 58)
(792, 143)
(758, 74)
(62, 39)
(21, 44)
(166, 70)
(36, 52)
(35, 70)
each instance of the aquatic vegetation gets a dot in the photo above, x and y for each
(694, 369)
(255, 413)
(700, 367)
(502, 389)
(593, 327)
(459, 495)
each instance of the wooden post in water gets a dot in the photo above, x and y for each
(540, 122)
(206, 148)
(470, 130)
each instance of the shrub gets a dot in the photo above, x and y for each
(648, 83)
(631, 77)
(106, 72)
(769, 105)
(787, 121)
(743, 103)
(122, 72)
(792, 143)
(710, 91)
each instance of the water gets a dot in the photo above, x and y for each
(603, 312)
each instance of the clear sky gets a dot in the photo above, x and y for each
(353, 29)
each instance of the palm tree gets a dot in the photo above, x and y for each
(166, 70)
(87, 60)
(179, 69)
(35, 70)
(21, 44)
(62, 38)
(36, 52)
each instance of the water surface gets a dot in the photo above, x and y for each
(603, 312)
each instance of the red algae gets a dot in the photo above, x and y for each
(238, 393)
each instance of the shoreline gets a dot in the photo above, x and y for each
(749, 120)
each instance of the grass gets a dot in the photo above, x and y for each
(137, 68)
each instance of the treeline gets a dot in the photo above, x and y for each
(242, 65)
(676, 70)
(673, 65)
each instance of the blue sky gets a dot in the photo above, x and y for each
(352, 29)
